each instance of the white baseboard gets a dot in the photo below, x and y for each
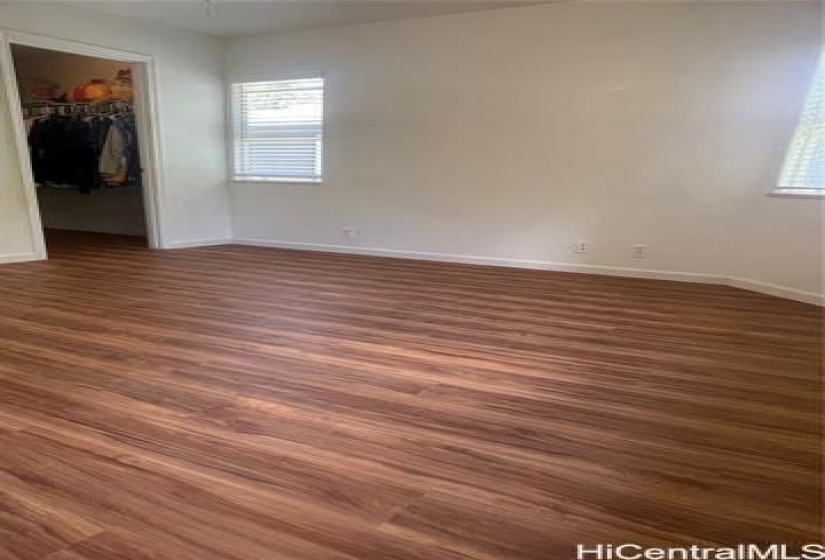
(189, 243)
(21, 257)
(736, 282)
(492, 261)
(777, 290)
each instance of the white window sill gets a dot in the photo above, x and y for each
(798, 193)
(269, 181)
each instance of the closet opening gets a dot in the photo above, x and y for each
(81, 124)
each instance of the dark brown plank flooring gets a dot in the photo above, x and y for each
(245, 403)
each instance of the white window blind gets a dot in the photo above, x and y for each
(278, 130)
(805, 163)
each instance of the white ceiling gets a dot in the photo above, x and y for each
(230, 18)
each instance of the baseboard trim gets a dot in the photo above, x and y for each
(187, 244)
(733, 281)
(491, 261)
(21, 257)
(736, 282)
(777, 290)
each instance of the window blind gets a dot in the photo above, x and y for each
(278, 130)
(805, 163)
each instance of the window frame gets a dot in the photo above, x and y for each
(800, 192)
(232, 123)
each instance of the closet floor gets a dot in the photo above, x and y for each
(248, 403)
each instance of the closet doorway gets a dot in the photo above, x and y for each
(87, 142)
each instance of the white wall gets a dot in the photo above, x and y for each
(513, 133)
(191, 104)
(117, 210)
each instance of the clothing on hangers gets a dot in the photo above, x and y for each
(118, 162)
(85, 151)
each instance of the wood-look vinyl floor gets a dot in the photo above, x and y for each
(258, 404)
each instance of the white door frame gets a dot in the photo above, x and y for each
(146, 113)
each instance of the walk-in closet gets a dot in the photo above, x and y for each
(83, 143)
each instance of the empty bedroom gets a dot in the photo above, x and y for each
(412, 279)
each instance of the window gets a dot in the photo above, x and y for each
(278, 130)
(804, 169)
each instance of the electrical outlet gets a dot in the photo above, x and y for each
(349, 232)
(640, 251)
(581, 246)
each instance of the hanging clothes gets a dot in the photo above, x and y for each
(111, 158)
(85, 152)
(119, 161)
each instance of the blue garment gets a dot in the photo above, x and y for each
(127, 126)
